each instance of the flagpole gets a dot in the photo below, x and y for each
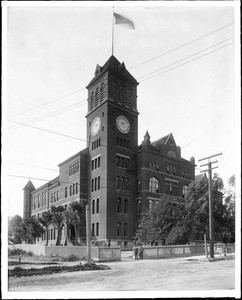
(112, 32)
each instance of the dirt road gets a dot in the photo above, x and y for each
(178, 274)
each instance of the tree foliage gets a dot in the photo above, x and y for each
(174, 224)
(58, 220)
(27, 229)
(158, 222)
(15, 232)
(46, 221)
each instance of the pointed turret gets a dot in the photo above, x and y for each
(28, 189)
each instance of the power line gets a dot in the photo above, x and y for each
(52, 114)
(46, 130)
(201, 86)
(34, 166)
(208, 130)
(46, 103)
(186, 62)
(186, 57)
(181, 46)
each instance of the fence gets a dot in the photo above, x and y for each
(180, 250)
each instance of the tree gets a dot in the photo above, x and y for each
(46, 220)
(58, 220)
(230, 195)
(78, 210)
(15, 232)
(179, 233)
(197, 208)
(158, 222)
(32, 229)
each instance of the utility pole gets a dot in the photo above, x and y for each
(88, 232)
(211, 228)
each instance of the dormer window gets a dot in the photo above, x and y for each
(121, 68)
(98, 70)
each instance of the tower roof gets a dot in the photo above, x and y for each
(29, 186)
(112, 64)
(164, 140)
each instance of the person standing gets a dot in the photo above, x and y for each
(141, 251)
(136, 250)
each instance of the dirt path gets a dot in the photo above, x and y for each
(182, 274)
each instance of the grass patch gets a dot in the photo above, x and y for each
(16, 263)
(19, 272)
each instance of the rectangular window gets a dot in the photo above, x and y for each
(97, 229)
(93, 229)
(119, 229)
(92, 164)
(125, 229)
(92, 185)
(99, 160)
(150, 204)
(98, 183)
(95, 184)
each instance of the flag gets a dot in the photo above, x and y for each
(123, 21)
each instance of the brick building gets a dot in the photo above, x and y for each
(120, 179)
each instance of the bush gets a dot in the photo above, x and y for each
(19, 252)
(71, 257)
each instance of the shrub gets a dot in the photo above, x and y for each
(71, 257)
(19, 251)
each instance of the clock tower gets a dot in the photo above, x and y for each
(112, 140)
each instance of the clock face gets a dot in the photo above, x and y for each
(96, 125)
(122, 124)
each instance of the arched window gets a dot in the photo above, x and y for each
(97, 206)
(129, 98)
(119, 205)
(98, 183)
(97, 100)
(154, 185)
(93, 206)
(139, 186)
(92, 101)
(139, 207)
(73, 188)
(70, 190)
(102, 92)
(118, 182)
(76, 187)
(184, 191)
(115, 91)
(66, 193)
(122, 95)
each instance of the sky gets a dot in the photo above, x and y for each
(184, 55)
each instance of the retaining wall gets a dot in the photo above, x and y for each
(100, 253)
